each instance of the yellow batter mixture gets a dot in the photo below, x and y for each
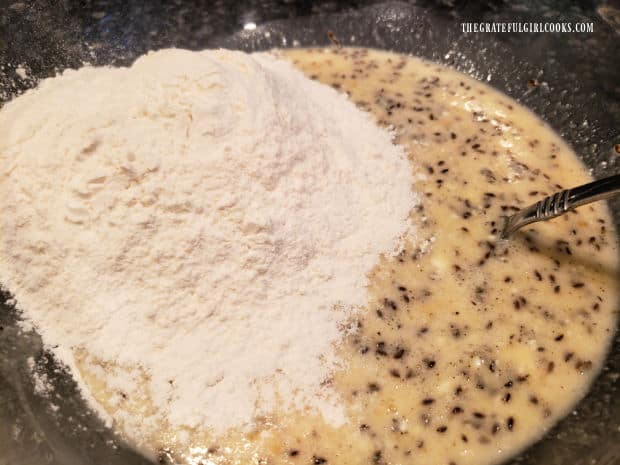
(470, 349)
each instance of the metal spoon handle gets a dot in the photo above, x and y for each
(561, 202)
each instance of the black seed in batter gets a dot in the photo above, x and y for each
(373, 387)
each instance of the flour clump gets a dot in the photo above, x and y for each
(207, 217)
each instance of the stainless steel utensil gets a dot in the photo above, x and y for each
(561, 202)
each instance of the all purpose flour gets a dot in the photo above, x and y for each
(210, 217)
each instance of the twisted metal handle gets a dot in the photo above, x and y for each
(561, 202)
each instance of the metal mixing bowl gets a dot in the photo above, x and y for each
(579, 97)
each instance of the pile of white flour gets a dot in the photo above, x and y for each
(210, 217)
